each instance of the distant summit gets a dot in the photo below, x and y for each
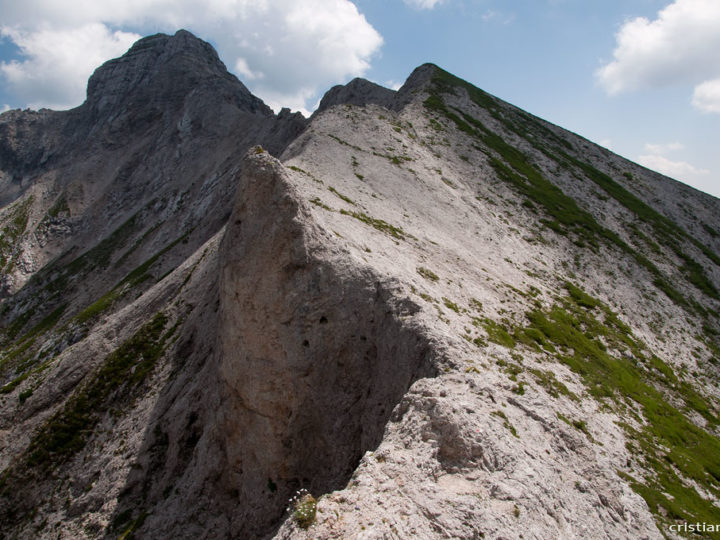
(162, 69)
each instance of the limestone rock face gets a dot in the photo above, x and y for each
(439, 315)
(303, 333)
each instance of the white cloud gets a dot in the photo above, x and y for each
(656, 159)
(284, 50)
(706, 96)
(423, 4)
(680, 170)
(58, 62)
(242, 69)
(663, 148)
(491, 15)
(680, 46)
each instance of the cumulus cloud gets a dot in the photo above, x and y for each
(680, 170)
(284, 50)
(706, 96)
(680, 46)
(663, 148)
(58, 62)
(496, 16)
(423, 4)
(656, 159)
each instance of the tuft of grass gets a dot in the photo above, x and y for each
(555, 388)
(99, 256)
(451, 305)
(304, 508)
(134, 278)
(379, 224)
(306, 173)
(506, 422)
(341, 196)
(12, 385)
(476, 304)
(344, 143)
(98, 306)
(317, 202)
(498, 333)
(134, 525)
(43, 326)
(427, 274)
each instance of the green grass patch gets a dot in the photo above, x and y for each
(344, 143)
(497, 333)
(379, 224)
(317, 202)
(99, 257)
(98, 306)
(132, 279)
(549, 382)
(306, 173)
(17, 324)
(664, 228)
(427, 273)
(341, 196)
(12, 385)
(124, 370)
(46, 323)
(451, 305)
(476, 304)
(584, 331)
(506, 422)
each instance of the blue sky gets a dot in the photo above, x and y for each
(641, 77)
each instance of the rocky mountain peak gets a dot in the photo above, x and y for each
(421, 76)
(361, 92)
(358, 92)
(163, 69)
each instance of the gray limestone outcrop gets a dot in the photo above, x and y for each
(359, 92)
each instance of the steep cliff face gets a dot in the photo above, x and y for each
(316, 351)
(443, 317)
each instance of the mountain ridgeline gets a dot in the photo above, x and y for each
(441, 316)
